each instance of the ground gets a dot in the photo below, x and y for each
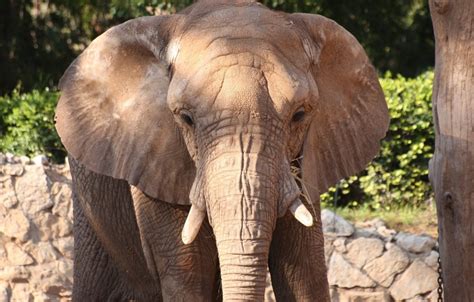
(420, 220)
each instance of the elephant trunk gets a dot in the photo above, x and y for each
(243, 261)
(242, 209)
(243, 189)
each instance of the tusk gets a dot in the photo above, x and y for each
(192, 224)
(301, 213)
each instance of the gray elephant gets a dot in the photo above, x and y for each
(181, 132)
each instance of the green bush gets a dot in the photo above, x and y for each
(27, 124)
(399, 175)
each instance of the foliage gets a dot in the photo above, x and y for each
(397, 35)
(39, 38)
(399, 176)
(27, 124)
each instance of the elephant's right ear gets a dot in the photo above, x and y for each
(113, 117)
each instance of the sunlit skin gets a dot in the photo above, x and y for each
(200, 114)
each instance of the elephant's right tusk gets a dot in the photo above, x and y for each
(192, 224)
(301, 213)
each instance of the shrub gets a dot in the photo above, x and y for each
(27, 124)
(399, 175)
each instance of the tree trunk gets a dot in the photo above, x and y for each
(452, 167)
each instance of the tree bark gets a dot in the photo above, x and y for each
(452, 167)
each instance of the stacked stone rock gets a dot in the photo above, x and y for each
(368, 263)
(374, 263)
(36, 244)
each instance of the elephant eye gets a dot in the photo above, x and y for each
(298, 115)
(186, 117)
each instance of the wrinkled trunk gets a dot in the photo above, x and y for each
(241, 202)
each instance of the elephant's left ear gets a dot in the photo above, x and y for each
(113, 117)
(350, 116)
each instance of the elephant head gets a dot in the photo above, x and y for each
(210, 106)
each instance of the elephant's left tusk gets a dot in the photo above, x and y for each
(192, 224)
(301, 213)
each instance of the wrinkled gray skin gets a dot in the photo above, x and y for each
(208, 108)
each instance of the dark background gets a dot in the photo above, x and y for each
(39, 39)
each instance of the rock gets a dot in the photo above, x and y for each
(432, 260)
(25, 160)
(13, 169)
(42, 297)
(384, 268)
(328, 248)
(361, 296)
(62, 198)
(433, 296)
(4, 292)
(21, 292)
(52, 278)
(333, 223)
(3, 214)
(340, 245)
(65, 246)
(44, 252)
(40, 160)
(3, 253)
(416, 299)
(388, 234)
(341, 273)
(14, 273)
(7, 193)
(366, 233)
(415, 243)
(50, 226)
(10, 158)
(16, 256)
(3, 159)
(418, 279)
(32, 191)
(363, 250)
(65, 267)
(373, 223)
(15, 225)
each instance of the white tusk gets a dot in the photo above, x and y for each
(301, 213)
(192, 224)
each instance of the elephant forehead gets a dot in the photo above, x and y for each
(239, 57)
(233, 30)
(244, 84)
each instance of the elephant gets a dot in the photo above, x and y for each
(199, 144)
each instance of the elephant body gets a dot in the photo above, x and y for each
(110, 266)
(196, 139)
(112, 245)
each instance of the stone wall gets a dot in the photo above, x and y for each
(36, 244)
(367, 263)
(374, 263)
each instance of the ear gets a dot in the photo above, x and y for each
(113, 117)
(350, 116)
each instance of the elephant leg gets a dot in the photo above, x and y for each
(96, 278)
(109, 264)
(296, 261)
(186, 272)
